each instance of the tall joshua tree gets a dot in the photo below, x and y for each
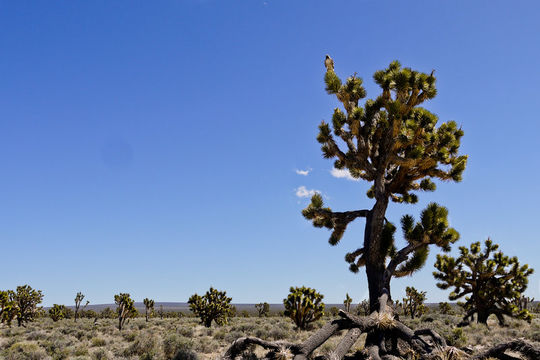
(126, 308)
(394, 144)
(149, 307)
(78, 300)
(347, 302)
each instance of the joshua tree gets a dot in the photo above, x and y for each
(303, 305)
(57, 312)
(445, 308)
(524, 302)
(363, 308)
(126, 308)
(212, 306)
(26, 300)
(263, 309)
(347, 302)
(491, 284)
(394, 144)
(413, 303)
(149, 307)
(78, 300)
(8, 308)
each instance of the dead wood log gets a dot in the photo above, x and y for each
(528, 350)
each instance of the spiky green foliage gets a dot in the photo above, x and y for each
(363, 308)
(57, 312)
(489, 280)
(214, 306)
(149, 307)
(347, 302)
(303, 305)
(413, 302)
(78, 300)
(395, 144)
(263, 309)
(125, 308)
(445, 308)
(26, 302)
(8, 308)
(524, 302)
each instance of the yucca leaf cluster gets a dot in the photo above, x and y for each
(149, 307)
(214, 306)
(489, 281)
(303, 305)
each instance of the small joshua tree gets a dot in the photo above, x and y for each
(263, 309)
(8, 308)
(490, 285)
(78, 300)
(347, 302)
(126, 308)
(524, 302)
(57, 312)
(149, 307)
(445, 308)
(212, 306)
(303, 305)
(26, 300)
(413, 303)
(363, 308)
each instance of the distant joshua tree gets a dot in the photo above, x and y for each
(263, 309)
(213, 306)
(445, 308)
(413, 303)
(304, 306)
(8, 308)
(26, 300)
(57, 312)
(149, 307)
(126, 308)
(347, 302)
(492, 283)
(78, 300)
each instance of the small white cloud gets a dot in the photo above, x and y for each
(342, 173)
(303, 172)
(302, 192)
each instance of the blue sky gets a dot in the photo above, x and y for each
(152, 147)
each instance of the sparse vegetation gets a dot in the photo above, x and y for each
(347, 302)
(491, 285)
(214, 306)
(304, 306)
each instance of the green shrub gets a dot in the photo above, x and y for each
(173, 344)
(304, 306)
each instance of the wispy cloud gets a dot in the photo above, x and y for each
(342, 173)
(303, 172)
(302, 192)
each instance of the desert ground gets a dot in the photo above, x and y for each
(185, 338)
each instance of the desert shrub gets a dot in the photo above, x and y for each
(174, 344)
(145, 346)
(129, 336)
(186, 331)
(233, 335)
(455, 337)
(100, 354)
(80, 350)
(97, 341)
(25, 351)
(186, 354)
(207, 346)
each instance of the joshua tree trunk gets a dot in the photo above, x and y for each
(375, 261)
